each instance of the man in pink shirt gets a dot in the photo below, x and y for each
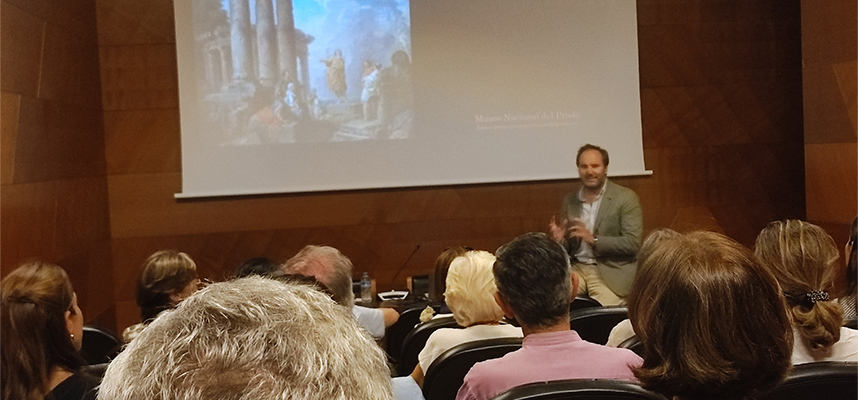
(535, 287)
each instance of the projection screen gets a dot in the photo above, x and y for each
(281, 96)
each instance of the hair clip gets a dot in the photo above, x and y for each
(816, 295)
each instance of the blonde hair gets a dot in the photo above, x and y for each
(471, 288)
(804, 259)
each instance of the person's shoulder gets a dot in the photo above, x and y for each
(621, 192)
(484, 369)
(443, 333)
(848, 335)
(76, 387)
(617, 188)
(613, 353)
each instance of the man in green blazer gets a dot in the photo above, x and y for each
(601, 226)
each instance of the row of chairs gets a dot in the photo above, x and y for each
(587, 317)
(825, 380)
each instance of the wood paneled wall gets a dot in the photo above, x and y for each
(830, 78)
(721, 91)
(53, 180)
(722, 122)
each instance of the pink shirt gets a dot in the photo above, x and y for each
(548, 357)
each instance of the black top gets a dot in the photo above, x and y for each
(76, 387)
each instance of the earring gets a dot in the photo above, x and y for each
(71, 335)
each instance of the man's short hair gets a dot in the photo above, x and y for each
(711, 320)
(329, 266)
(532, 275)
(589, 146)
(471, 289)
(251, 338)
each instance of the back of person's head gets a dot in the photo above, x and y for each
(35, 299)
(711, 319)
(164, 274)
(471, 289)
(532, 275)
(852, 258)
(442, 265)
(261, 266)
(652, 240)
(329, 266)
(804, 259)
(251, 338)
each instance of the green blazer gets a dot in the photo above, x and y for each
(619, 226)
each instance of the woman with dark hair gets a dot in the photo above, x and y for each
(439, 280)
(42, 329)
(167, 278)
(711, 319)
(804, 258)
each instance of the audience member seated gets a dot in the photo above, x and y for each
(42, 330)
(711, 320)
(442, 265)
(251, 338)
(167, 277)
(260, 266)
(848, 301)
(623, 331)
(804, 259)
(535, 287)
(334, 270)
(470, 295)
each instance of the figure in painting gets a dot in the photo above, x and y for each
(337, 75)
(369, 94)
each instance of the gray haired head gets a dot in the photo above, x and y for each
(251, 338)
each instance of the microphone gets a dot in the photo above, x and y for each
(394, 294)
(403, 265)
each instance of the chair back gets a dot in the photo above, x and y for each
(96, 370)
(580, 389)
(634, 344)
(594, 324)
(582, 302)
(447, 372)
(408, 319)
(100, 345)
(819, 380)
(416, 340)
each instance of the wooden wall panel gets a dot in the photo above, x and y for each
(830, 100)
(53, 178)
(832, 185)
(10, 106)
(721, 100)
(20, 55)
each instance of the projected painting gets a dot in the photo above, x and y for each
(295, 71)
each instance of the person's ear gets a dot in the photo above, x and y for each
(504, 306)
(574, 278)
(69, 322)
(176, 297)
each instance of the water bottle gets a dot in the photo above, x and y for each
(365, 289)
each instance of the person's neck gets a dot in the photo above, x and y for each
(560, 326)
(57, 376)
(591, 194)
